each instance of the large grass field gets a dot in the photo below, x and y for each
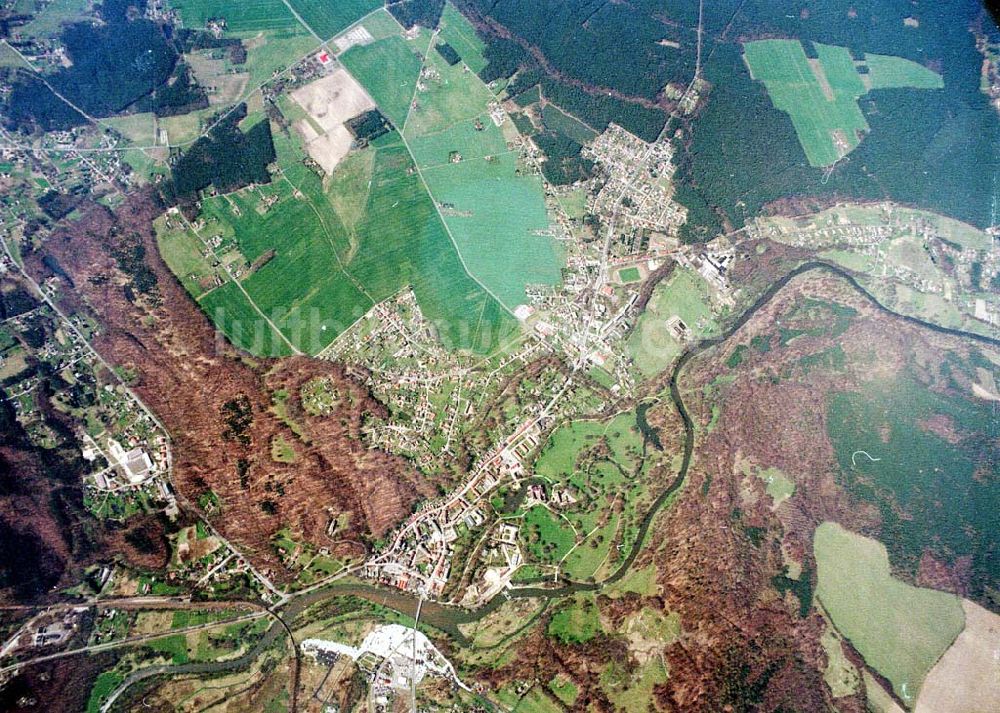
(240, 17)
(901, 630)
(388, 70)
(821, 96)
(490, 210)
(458, 32)
(887, 72)
(327, 18)
(335, 249)
(651, 345)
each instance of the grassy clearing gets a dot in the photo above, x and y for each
(779, 486)
(900, 630)
(537, 701)
(887, 72)
(651, 345)
(632, 693)
(821, 96)
(48, 23)
(557, 120)
(388, 70)
(564, 689)
(577, 621)
(136, 128)
(840, 674)
(327, 18)
(458, 32)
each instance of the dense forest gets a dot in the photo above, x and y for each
(416, 12)
(226, 158)
(631, 47)
(939, 149)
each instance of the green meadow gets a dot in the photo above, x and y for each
(821, 95)
(458, 32)
(388, 70)
(899, 629)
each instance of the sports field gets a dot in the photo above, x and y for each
(821, 95)
(901, 630)
(327, 18)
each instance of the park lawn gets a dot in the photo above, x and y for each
(388, 70)
(558, 459)
(900, 630)
(576, 621)
(327, 18)
(546, 536)
(240, 17)
(458, 32)
(651, 345)
(888, 72)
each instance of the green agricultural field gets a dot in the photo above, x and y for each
(901, 630)
(327, 18)
(821, 96)
(324, 254)
(651, 345)
(458, 32)
(381, 24)
(887, 72)
(240, 17)
(388, 70)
